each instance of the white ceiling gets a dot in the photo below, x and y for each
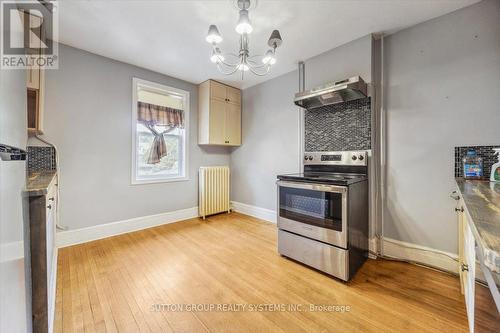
(169, 36)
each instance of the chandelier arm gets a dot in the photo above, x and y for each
(253, 64)
(256, 56)
(259, 74)
(221, 69)
(233, 55)
(228, 64)
(257, 64)
(230, 55)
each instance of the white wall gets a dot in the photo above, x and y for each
(442, 85)
(13, 123)
(88, 117)
(270, 140)
(351, 59)
(271, 122)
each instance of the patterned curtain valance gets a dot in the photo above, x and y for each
(159, 115)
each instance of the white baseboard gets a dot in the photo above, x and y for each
(11, 251)
(258, 212)
(373, 248)
(420, 254)
(52, 292)
(78, 236)
(392, 248)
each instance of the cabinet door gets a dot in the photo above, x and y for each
(50, 240)
(32, 107)
(51, 224)
(33, 78)
(217, 126)
(233, 95)
(217, 91)
(469, 270)
(461, 230)
(233, 124)
(33, 73)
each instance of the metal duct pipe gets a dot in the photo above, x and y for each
(301, 143)
(302, 76)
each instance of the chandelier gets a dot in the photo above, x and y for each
(229, 63)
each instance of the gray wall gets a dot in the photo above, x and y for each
(442, 85)
(271, 142)
(351, 59)
(88, 117)
(13, 125)
(270, 139)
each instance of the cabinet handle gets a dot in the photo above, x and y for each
(464, 267)
(454, 195)
(51, 199)
(461, 209)
(49, 206)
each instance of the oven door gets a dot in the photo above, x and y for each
(315, 211)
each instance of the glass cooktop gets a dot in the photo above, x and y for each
(324, 177)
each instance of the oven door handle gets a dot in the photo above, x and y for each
(314, 187)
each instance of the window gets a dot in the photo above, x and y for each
(160, 117)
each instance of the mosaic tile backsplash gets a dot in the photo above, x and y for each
(41, 158)
(485, 152)
(338, 127)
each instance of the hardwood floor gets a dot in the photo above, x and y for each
(112, 285)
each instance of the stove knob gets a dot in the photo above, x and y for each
(310, 158)
(361, 157)
(305, 158)
(354, 158)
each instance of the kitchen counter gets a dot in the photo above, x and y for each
(38, 182)
(482, 204)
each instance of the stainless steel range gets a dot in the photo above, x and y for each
(323, 212)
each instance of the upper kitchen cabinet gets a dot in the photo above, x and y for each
(219, 114)
(35, 82)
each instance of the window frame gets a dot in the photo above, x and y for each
(136, 82)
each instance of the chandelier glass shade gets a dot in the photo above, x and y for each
(230, 63)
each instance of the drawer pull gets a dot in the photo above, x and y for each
(461, 209)
(49, 206)
(454, 195)
(51, 199)
(464, 267)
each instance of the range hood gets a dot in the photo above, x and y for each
(332, 93)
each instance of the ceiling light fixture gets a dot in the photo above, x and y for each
(243, 61)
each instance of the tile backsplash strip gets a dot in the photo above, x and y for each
(485, 152)
(41, 158)
(338, 127)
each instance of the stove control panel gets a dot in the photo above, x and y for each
(336, 158)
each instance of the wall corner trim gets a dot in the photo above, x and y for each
(78, 236)
(258, 212)
(421, 255)
(11, 251)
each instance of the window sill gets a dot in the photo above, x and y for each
(158, 181)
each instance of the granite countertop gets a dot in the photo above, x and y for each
(482, 202)
(38, 182)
